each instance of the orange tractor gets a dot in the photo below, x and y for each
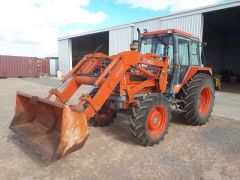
(166, 73)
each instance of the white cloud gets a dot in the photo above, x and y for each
(172, 5)
(31, 27)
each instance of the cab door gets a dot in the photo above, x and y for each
(183, 55)
(195, 54)
(186, 54)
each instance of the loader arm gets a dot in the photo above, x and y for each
(108, 80)
(84, 67)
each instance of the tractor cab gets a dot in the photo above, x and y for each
(181, 48)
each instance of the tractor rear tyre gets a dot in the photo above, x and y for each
(103, 118)
(197, 99)
(150, 120)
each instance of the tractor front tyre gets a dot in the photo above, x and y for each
(103, 118)
(197, 99)
(150, 120)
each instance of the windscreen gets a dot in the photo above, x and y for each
(162, 45)
(157, 45)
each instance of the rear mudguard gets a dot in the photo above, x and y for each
(190, 73)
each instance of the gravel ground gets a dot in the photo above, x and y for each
(207, 152)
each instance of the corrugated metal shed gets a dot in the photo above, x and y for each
(17, 66)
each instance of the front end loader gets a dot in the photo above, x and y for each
(148, 83)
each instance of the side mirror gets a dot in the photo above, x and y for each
(203, 44)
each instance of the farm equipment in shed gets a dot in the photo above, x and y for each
(165, 73)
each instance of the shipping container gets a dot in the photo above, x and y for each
(19, 66)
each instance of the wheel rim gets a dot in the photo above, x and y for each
(156, 121)
(204, 101)
(106, 115)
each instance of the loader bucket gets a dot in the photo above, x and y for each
(50, 128)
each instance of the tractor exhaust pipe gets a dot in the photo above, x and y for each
(139, 39)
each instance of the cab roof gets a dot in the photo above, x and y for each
(170, 31)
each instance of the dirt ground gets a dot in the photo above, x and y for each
(187, 152)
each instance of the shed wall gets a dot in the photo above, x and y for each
(192, 24)
(120, 39)
(65, 55)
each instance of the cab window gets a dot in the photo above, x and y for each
(159, 45)
(183, 51)
(194, 50)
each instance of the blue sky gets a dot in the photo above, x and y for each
(32, 27)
